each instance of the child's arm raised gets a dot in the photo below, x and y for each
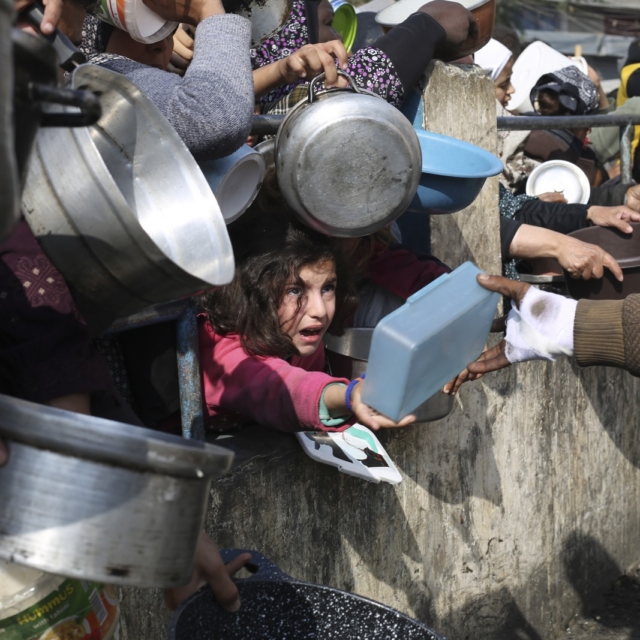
(304, 64)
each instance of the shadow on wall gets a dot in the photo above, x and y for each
(589, 568)
(599, 389)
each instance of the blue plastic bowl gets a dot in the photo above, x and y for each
(453, 173)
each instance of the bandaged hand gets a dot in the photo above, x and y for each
(540, 328)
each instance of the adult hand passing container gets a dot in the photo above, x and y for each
(417, 349)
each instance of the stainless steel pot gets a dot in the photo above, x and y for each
(121, 208)
(101, 500)
(347, 161)
(348, 356)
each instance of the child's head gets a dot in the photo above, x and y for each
(503, 86)
(290, 287)
(121, 43)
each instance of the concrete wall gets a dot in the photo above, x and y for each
(514, 512)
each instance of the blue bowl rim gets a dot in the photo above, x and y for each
(442, 143)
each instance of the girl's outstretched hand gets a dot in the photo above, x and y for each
(370, 417)
(313, 59)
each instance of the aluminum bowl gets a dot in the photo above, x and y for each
(101, 500)
(121, 208)
(348, 356)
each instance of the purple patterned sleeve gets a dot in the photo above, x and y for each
(289, 38)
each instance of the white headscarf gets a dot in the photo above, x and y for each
(493, 58)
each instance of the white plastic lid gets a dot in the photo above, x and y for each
(401, 10)
(561, 177)
(534, 62)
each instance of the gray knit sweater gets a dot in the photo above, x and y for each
(211, 106)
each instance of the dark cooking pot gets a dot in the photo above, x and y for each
(625, 248)
(274, 605)
(36, 80)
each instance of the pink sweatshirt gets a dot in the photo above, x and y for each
(239, 388)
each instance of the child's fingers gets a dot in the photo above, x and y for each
(296, 65)
(337, 50)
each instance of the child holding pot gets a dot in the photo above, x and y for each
(389, 68)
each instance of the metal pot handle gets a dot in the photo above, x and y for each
(86, 101)
(312, 86)
(262, 568)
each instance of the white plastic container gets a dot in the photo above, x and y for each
(34, 604)
(428, 341)
(534, 62)
(235, 180)
(134, 17)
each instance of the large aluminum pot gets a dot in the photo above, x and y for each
(348, 355)
(101, 500)
(121, 208)
(348, 163)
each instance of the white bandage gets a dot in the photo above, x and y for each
(542, 328)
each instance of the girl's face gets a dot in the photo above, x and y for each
(504, 88)
(315, 293)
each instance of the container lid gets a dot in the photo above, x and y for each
(109, 442)
(536, 60)
(446, 156)
(562, 177)
(400, 11)
(428, 341)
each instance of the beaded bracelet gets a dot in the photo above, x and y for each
(347, 393)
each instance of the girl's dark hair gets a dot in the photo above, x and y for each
(270, 250)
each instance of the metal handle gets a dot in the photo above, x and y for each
(320, 78)
(262, 568)
(69, 57)
(87, 102)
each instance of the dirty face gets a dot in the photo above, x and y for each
(326, 32)
(154, 55)
(308, 306)
(504, 88)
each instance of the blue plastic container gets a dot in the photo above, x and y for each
(428, 341)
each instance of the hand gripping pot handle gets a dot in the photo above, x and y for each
(313, 91)
(261, 567)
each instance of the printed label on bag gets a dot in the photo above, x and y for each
(76, 610)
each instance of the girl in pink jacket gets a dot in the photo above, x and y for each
(261, 351)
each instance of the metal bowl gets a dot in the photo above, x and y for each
(348, 356)
(121, 208)
(101, 500)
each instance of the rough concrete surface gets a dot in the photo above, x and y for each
(514, 512)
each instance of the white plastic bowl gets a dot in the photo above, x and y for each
(560, 176)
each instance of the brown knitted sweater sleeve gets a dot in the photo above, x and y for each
(608, 333)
